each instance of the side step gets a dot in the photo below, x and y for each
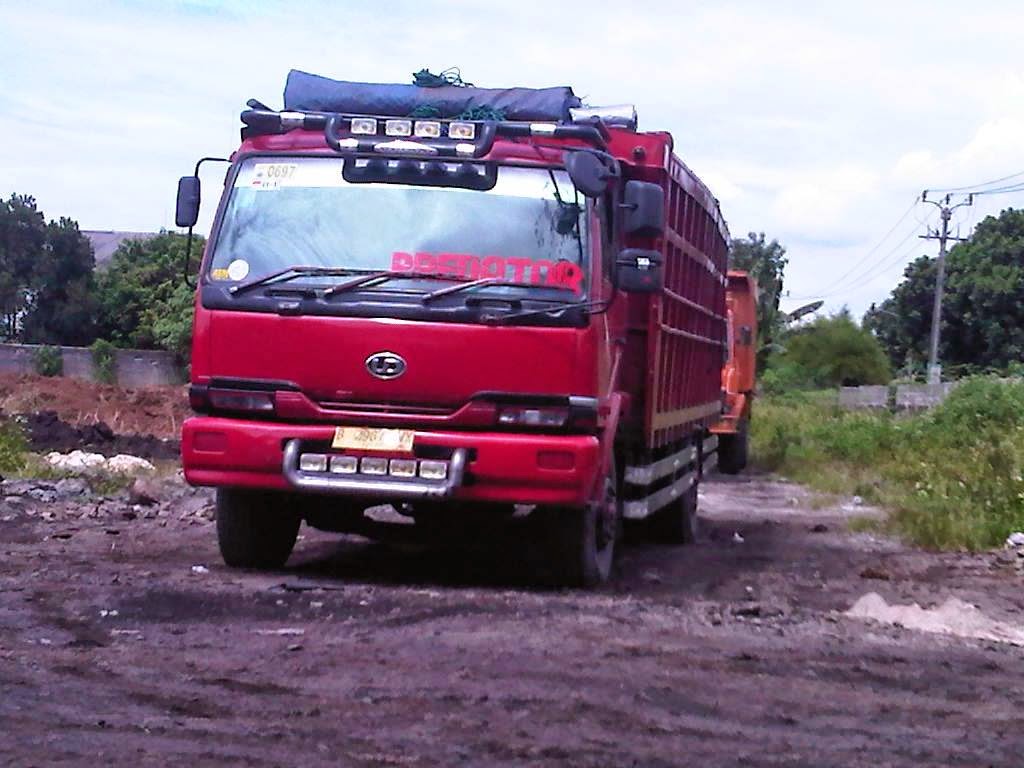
(638, 509)
(646, 475)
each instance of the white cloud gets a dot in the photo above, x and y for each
(813, 123)
(822, 203)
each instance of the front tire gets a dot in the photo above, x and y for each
(255, 529)
(582, 541)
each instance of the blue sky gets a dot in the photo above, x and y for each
(816, 123)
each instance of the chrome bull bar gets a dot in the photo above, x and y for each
(377, 486)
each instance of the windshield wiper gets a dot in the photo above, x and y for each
(600, 305)
(385, 275)
(429, 297)
(290, 273)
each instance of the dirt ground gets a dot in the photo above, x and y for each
(124, 641)
(156, 411)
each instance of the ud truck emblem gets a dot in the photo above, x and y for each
(385, 365)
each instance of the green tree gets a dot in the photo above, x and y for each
(22, 239)
(983, 318)
(60, 306)
(142, 299)
(835, 351)
(983, 309)
(903, 321)
(766, 263)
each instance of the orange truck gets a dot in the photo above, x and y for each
(738, 373)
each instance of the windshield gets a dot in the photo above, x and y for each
(302, 211)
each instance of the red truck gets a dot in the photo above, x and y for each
(457, 317)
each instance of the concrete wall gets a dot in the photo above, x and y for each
(145, 368)
(78, 363)
(132, 367)
(915, 396)
(906, 396)
(864, 397)
(17, 358)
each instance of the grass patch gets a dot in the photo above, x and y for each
(952, 477)
(49, 361)
(866, 524)
(103, 357)
(13, 446)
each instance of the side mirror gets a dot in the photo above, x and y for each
(638, 270)
(644, 205)
(186, 212)
(588, 172)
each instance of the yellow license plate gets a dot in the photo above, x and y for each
(371, 439)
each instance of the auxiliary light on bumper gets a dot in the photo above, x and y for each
(373, 476)
(372, 465)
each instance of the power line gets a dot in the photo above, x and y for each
(880, 266)
(980, 184)
(1001, 190)
(875, 247)
(867, 278)
(877, 268)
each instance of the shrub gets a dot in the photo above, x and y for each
(781, 376)
(103, 358)
(49, 361)
(952, 477)
(13, 446)
(834, 351)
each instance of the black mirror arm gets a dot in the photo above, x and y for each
(188, 243)
(188, 260)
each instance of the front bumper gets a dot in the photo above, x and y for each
(495, 466)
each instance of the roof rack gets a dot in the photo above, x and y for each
(427, 137)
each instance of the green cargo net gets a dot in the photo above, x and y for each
(451, 77)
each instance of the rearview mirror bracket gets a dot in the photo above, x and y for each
(591, 171)
(186, 210)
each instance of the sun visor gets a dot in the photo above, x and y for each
(304, 92)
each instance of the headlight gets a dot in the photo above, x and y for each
(574, 413)
(546, 416)
(241, 400)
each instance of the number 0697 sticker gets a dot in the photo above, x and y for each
(272, 175)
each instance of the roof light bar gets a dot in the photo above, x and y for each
(402, 147)
(292, 120)
(364, 126)
(462, 131)
(398, 127)
(428, 129)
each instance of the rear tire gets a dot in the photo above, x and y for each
(734, 449)
(678, 522)
(255, 529)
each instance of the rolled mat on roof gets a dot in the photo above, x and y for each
(313, 93)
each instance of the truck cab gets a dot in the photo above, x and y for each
(449, 316)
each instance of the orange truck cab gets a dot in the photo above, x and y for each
(738, 373)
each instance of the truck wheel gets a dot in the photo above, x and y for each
(678, 522)
(582, 541)
(733, 449)
(255, 529)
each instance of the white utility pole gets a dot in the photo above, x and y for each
(946, 211)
